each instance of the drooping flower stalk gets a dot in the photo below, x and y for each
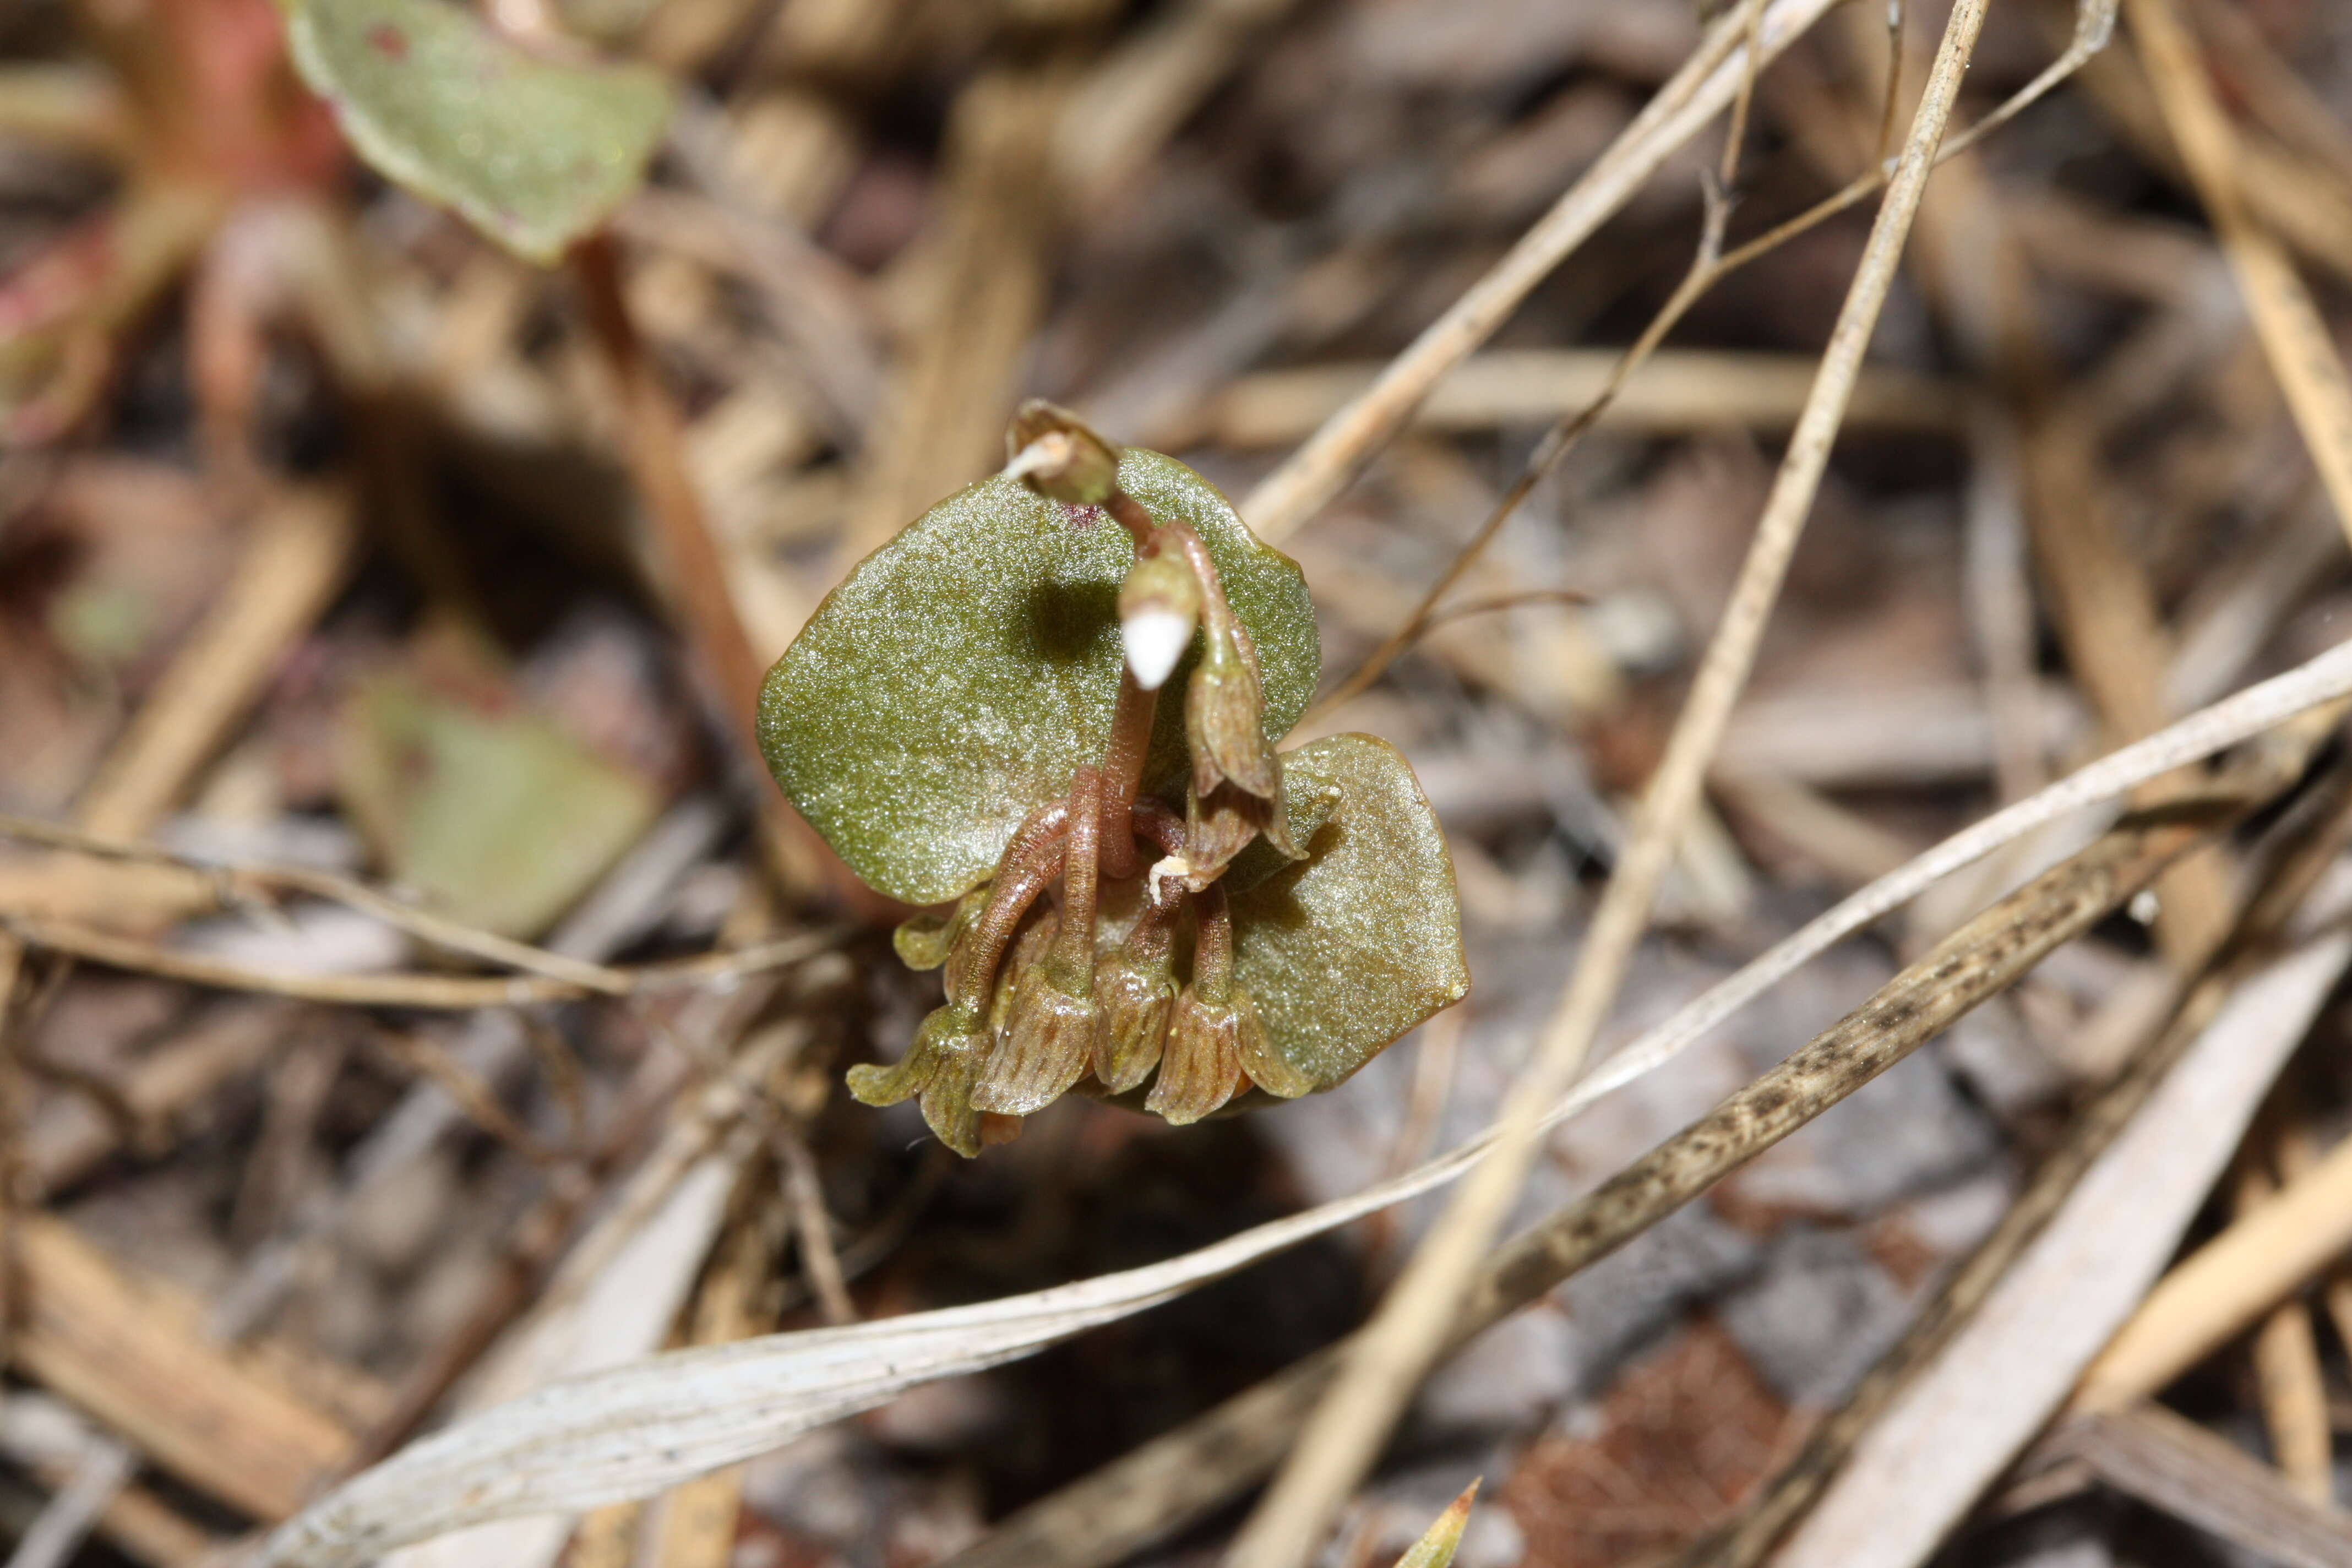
(1122, 770)
(1135, 985)
(954, 1045)
(1199, 1065)
(1049, 1037)
(1030, 860)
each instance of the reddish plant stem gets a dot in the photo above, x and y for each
(1129, 514)
(1216, 614)
(1122, 769)
(1074, 944)
(694, 571)
(655, 449)
(1030, 860)
(1156, 534)
(1153, 821)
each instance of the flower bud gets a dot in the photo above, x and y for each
(940, 1067)
(1224, 723)
(1047, 1042)
(1255, 1048)
(1200, 1068)
(1135, 989)
(925, 941)
(1029, 948)
(1052, 450)
(1159, 606)
(1220, 827)
(1236, 790)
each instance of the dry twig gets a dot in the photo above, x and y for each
(2173, 1465)
(237, 883)
(442, 991)
(1392, 1354)
(2195, 1026)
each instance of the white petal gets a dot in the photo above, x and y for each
(1047, 451)
(1155, 640)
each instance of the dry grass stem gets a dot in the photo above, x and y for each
(2228, 1285)
(2301, 349)
(1707, 82)
(2289, 1381)
(428, 1059)
(238, 883)
(440, 992)
(2179, 1467)
(1675, 390)
(1392, 1354)
(2188, 1014)
(1177, 1479)
(812, 1227)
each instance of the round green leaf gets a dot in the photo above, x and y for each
(1346, 949)
(535, 152)
(960, 676)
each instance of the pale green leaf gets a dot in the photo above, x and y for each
(1347, 949)
(967, 668)
(496, 817)
(534, 151)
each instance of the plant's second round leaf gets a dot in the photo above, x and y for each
(1346, 949)
(960, 676)
(535, 152)
(497, 816)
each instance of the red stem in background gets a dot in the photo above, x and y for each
(694, 569)
(655, 446)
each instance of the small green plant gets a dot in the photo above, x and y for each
(974, 717)
(205, 117)
(535, 151)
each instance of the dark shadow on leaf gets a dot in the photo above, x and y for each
(1064, 623)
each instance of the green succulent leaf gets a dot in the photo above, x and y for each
(533, 151)
(965, 670)
(1346, 949)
